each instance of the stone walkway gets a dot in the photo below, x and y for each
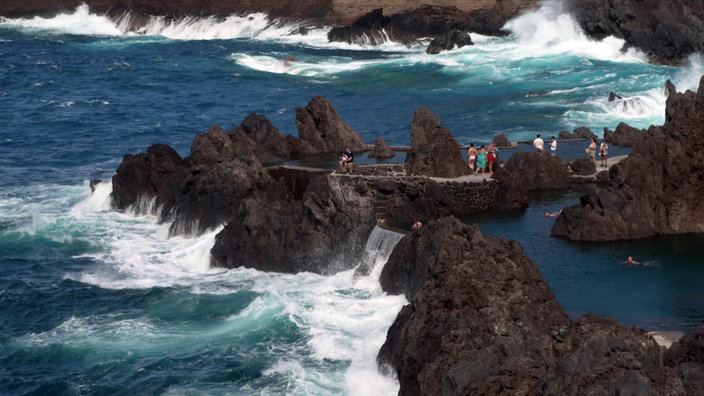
(478, 177)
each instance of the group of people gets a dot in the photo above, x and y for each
(603, 152)
(539, 145)
(478, 160)
(346, 161)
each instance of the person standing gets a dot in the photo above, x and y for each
(481, 159)
(604, 153)
(591, 150)
(553, 146)
(472, 157)
(491, 156)
(539, 144)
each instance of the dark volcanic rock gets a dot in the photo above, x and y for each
(448, 26)
(381, 150)
(266, 136)
(482, 320)
(540, 170)
(668, 31)
(321, 129)
(582, 166)
(687, 357)
(623, 136)
(155, 173)
(450, 40)
(511, 193)
(434, 151)
(657, 189)
(196, 193)
(323, 233)
(481, 313)
(501, 140)
(578, 133)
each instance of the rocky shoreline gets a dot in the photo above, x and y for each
(667, 31)
(472, 326)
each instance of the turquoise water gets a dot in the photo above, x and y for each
(98, 302)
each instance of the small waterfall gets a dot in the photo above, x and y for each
(380, 244)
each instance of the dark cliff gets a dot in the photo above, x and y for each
(656, 190)
(668, 31)
(482, 320)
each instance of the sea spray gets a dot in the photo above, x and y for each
(380, 245)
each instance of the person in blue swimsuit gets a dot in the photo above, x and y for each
(481, 159)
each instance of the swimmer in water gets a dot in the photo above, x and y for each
(630, 261)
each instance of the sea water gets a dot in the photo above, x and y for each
(95, 301)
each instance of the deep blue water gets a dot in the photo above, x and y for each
(98, 302)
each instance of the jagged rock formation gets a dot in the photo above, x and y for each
(656, 190)
(434, 151)
(501, 140)
(488, 15)
(321, 130)
(277, 218)
(668, 31)
(578, 133)
(381, 150)
(540, 170)
(482, 320)
(446, 25)
(624, 135)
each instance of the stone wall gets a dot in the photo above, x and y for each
(471, 197)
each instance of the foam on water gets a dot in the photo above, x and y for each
(279, 65)
(80, 22)
(344, 317)
(550, 31)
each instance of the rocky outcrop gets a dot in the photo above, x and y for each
(279, 218)
(381, 150)
(482, 320)
(578, 133)
(324, 232)
(197, 192)
(264, 137)
(668, 31)
(501, 141)
(656, 190)
(540, 170)
(446, 23)
(486, 15)
(624, 135)
(582, 166)
(434, 151)
(321, 130)
(687, 357)
(451, 39)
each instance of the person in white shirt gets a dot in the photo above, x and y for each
(539, 144)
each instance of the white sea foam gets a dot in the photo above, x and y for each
(345, 317)
(80, 22)
(688, 77)
(551, 31)
(279, 65)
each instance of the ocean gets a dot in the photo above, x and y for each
(99, 302)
